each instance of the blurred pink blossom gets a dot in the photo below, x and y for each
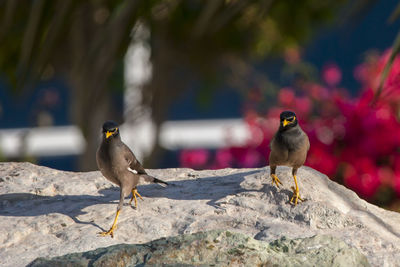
(195, 158)
(223, 158)
(322, 160)
(362, 176)
(286, 96)
(303, 106)
(331, 74)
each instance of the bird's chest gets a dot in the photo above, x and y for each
(110, 161)
(290, 141)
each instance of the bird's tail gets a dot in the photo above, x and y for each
(153, 179)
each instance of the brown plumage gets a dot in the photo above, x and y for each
(289, 147)
(119, 165)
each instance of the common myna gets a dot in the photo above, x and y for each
(119, 165)
(289, 147)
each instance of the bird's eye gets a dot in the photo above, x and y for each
(111, 131)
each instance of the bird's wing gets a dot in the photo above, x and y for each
(299, 156)
(152, 179)
(134, 165)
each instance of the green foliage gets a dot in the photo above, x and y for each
(35, 34)
(205, 30)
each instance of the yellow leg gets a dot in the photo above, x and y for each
(111, 231)
(275, 180)
(134, 194)
(296, 194)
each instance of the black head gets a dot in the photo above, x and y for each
(110, 129)
(288, 120)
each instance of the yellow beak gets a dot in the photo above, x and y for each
(285, 122)
(108, 134)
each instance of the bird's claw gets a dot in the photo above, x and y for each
(134, 194)
(275, 180)
(296, 196)
(109, 232)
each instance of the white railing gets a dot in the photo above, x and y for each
(68, 140)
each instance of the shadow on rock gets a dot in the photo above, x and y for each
(212, 188)
(208, 188)
(27, 204)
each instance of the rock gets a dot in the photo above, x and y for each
(218, 248)
(48, 213)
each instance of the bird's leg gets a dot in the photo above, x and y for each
(119, 208)
(275, 179)
(134, 194)
(296, 194)
(114, 225)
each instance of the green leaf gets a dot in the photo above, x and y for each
(395, 14)
(385, 72)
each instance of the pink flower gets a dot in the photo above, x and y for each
(317, 91)
(322, 159)
(362, 176)
(386, 176)
(332, 75)
(303, 106)
(274, 112)
(251, 159)
(246, 157)
(396, 183)
(286, 96)
(195, 158)
(223, 158)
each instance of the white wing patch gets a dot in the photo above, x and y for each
(132, 171)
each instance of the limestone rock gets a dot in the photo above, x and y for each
(218, 248)
(48, 213)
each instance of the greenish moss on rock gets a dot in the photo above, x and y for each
(218, 248)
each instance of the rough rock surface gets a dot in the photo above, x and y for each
(47, 213)
(218, 248)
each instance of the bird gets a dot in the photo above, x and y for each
(118, 164)
(289, 147)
